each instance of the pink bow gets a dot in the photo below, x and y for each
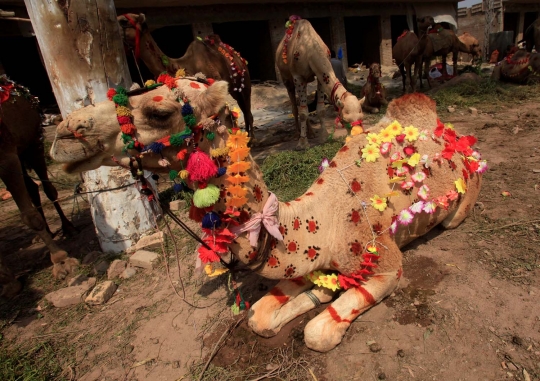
(267, 218)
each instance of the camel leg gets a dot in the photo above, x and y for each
(33, 192)
(301, 91)
(321, 113)
(292, 97)
(454, 62)
(244, 102)
(11, 173)
(417, 73)
(466, 204)
(326, 330)
(404, 69)
(427, 63)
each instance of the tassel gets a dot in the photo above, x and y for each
(203, 198)
(184, 174)
(211, 220)
(155, 147)
(200, 166)
(173, 174)
(178, 188)
(111, 93)
(221, 171)
(120, 99)
(187, 109)
(210, 136)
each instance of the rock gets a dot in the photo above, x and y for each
(101, 293)
(473, 111)
(79, 280)
(401, 353)
(91, 257)
(6, 196)
(382, 376)
(101, 267)
(143, 258)
(70, 296)
(517, 340)
(176, 364)
(375, 348)
(128, 273)
(177, 204)
(150, 242)
(511, 366)
(116, 268)
(451, 109)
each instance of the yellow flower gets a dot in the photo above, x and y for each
(399, 163)
(396, 179)
(180, 73)
(449, 125)
(370, 153)
(461, 186)
(209, 269)
(373, 139)
(414, 159)
(150, 82)
(385, 136)
(392, 194)
(411, 133)
(357, 130)
(378, 203)
(329, 281)
(394, 128)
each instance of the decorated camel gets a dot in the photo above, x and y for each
(382, 190)
(209, 56)
(520, 67)
(472, 46)
(21, 148)
(374, 91)
(300, 57)
(531, 37)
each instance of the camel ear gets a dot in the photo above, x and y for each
(211, 100)
(142, 18)
(362, 101)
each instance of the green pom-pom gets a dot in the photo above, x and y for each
(203, 198)
(121, 90)
(190, 120)
(131, 145)
(173, 174)
(126, 138)
(235, 309)
(121, 99)
(177, 140)
(165, 60)
(210, 136)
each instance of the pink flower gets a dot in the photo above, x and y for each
(324, 165)
(418, 177)
(417, 207)
(423, 135)
(403, 171)
(430, 207)
(393, 227)
(406, 185)
(423, 192)
(452, 195)
(405, 217)
(442, 201)
(482, 166)
(425, 161)
(385, 148)
(395, 157)
(476, 155)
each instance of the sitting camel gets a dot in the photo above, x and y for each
(210, 56)
(472, 46)
(380, 192)
(373, 90)
(21, 148)
(300, 57)
(520, 67)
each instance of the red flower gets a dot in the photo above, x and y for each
(400, 138)
(207, 255)
(439, 129)
(409, 150)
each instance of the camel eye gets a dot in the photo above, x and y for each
(160, 115)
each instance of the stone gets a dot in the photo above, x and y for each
(101, 293)
(70, 296)
(79, 280)
(177, 204)
(451, 109)
(128, 273)
(91, 257)
(149, 242)
(101, 267)
(375, 348)
(116, 268)
(473, 111)
(143, 258)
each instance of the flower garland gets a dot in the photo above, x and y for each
(289, 25)
(228, 52)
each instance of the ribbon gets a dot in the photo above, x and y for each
(267, 218)
(137, 35)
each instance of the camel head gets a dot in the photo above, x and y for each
(424, 23)
(132, 24)
(375, 72)
(92, 136)
(350, 109)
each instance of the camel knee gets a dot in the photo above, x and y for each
(33, 220)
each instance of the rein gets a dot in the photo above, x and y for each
(137, 35)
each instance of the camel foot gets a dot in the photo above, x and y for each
(302, 144)
(322, 334)
(63, 268)
(11, 289)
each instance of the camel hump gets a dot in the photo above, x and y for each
(413, 109)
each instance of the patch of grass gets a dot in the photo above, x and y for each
(47, 147)
(290, 173)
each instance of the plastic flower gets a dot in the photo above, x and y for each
(430, 207)
(449, 125)
(411, 133)
(399, 163)
(442, 201)
(506, 194)
(324, 164)
(385, 136)
(211, 272)
(425, 161)
(385, 148)
(414, 160)
(482, 166)
(357, 130)
(403, 171)
(373, 139)
(423, 136)
(417, 207)
(329, 281)
(395, 157)
(405, 217)
(394, 128)
(393, 227)
(240, 139)
(396, 179)
(406, 185)
(423, 192)
(461, 186)
(418, 177)
(452, 195)
(370, 153)
(378, 203)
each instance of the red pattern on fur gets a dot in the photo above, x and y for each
(367, 295)
(336, 316)
(279, 295)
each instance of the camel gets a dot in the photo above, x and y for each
(521, 67)
(473, 46)
(531, 37)
(300, 57)
(381, 191)
(373, 90)
(21, 147)
(210, 56)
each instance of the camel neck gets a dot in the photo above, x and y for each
(154, 58)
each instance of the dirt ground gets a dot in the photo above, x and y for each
(467, 308)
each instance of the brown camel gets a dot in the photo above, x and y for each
(521, 67)
(473, 46)
(373, 90)
(300, 57)
(21, 148)
(381, 191)
(531, 37)
(210, 56)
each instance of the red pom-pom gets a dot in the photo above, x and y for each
(123, 119)
(111, 93)
(200, 167)
(128, 128)
(210, 81)
(196, 214)
(181, 155)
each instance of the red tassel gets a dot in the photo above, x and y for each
(201, 167)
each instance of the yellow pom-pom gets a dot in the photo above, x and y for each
(180, 73)
(183, 174)
(217, 152)
(123, 111)
(150, 82)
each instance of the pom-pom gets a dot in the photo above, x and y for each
(200, 75)
(120, 99)
(123, 119)
(181, 155)
(111, 93)
(131, 145)
(187, 109)
(190, 120)
(184, 174)
(210, 81)
(180, 73)
(173, 174)
(178, 187)
(208, 123)
(221, 129)
(217, 152)
(126, 138)
(200, 166)
(177, 139)
(210, 136)
(221, 171)
(122, 110)
(128, 128)
(149, 83)
(155, 147)
(203, 198)
(121, 90)
(211, 220)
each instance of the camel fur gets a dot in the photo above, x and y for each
(520, 67)
(405, 53)
(202, 56)
(300, 57)
(334, 227)
(531, 37)
(472, 46)
(373, 91)
(21, 147)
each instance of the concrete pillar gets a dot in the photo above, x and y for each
(337, 28)
(277, 31)
(386, 41)
(202, 29)
(520, 26)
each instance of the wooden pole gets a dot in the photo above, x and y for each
(84, 56)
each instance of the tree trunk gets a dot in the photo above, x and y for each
(84, 57)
